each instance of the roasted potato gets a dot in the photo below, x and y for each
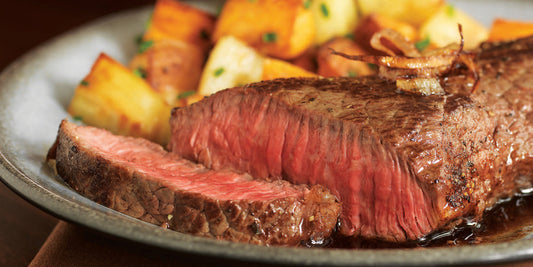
(278, 28)
(414, 12)
(112, 97)
(333, 18)
(175, 20)
(503, 29)
(441, 29)
(174, 67)
(231, 63)
(173, 49)
(330, 65)
(275, 68)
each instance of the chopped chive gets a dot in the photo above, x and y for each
(186, 94)
(450, 10)
(77, 118)
(307, 4)
(139, 39)
(140, 72)
(84, 83)
(350, 36)
(324, 9)
(422, 44)
(372, 66)
(145, 45)
(352, 74)
(270, 37)
(218, 71)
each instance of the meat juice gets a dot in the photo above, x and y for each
(509, 220)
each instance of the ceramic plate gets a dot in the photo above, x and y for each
(36, 89)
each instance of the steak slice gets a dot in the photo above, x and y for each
(402, 165)
(142, 180)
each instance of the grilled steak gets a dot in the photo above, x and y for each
(141, 179)
(402, 165)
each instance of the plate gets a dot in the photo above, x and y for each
(36, 89)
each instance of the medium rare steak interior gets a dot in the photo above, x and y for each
(403, 165)
(141, 179)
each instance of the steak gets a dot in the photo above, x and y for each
(142, 180)
(402, 165)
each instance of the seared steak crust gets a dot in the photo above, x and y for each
(402, 164)
(140, 179)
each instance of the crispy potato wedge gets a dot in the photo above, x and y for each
(330, 65)
(175, 20)
(279, 28)
(373, 23)
(174, 67)
(333, 18)
(231, 63)
(503, 29)
(112, 97)
(414, 12)
(276, 68)
(441, 29)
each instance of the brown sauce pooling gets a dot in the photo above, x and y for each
(511, 219)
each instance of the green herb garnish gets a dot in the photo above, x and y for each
(352, 74)
(450, 10)
(422, 44)
(218, 71)
(350, 36)
(270, 37)
(307, 4)
(186, 94)
(145, 45)
(324, 9)
(77, 118)
(140, 72)
(84, 83)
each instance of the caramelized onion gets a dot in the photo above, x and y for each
(400, 42)
(413, 71)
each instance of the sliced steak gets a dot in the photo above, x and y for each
(141, 179)
(403, 165)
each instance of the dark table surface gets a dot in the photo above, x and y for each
(25, 24)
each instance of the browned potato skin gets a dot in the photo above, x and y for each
(178, 21)
(113, 98)
(374, 23)
(276, 68)
(288, 23)
(174, 67)
(330, 65)
(173, 64)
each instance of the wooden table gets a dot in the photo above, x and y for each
(24, 24)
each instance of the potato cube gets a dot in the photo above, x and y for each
(174, 67)
(441, 29)
(112, 97)
(275, 68)
(231, 63)
(333, 18)
(414, 12)
(178, 21)
(279, 28)
(503, 29)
